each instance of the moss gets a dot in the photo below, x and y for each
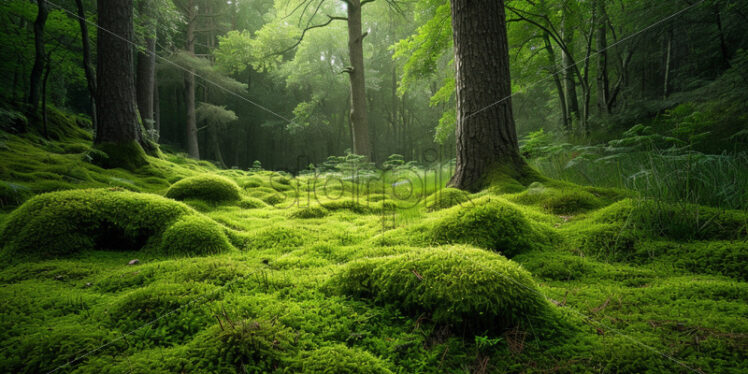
(728, 258)
(12, 194)
(445, 198)
(677, 221)
(274, 199)
(129, 155)
(67, 222)
(457, 285)
(252, 203)
(206, 187)
(347, 204)
(194, 235)
(493, 225)
(309, 212)
(339, 359)
(276, 237)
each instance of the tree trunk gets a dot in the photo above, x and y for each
(156, 108)
(146, 75)
(559, 86)
(118, 132)
(572, 102)
(668, 54)
(38, 69)
(48, 67)
(87, 66)
(359, 119)
(603, 84)
(486, 136)
(189, 86)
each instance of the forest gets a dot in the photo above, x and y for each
(374, 186)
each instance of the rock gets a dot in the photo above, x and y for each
(134, 262)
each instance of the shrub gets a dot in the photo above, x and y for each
(194, 235)
(339, 359)
(455, 285)
(445, 198)
(493, 225)
(205, 187)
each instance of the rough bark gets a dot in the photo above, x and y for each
(116, 113)
(48, 69)
(88, 68)
(189, 86)
(572, 102)
(38, 69)
(486, 136)
(359, 118)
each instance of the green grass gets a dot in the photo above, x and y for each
(360, 278)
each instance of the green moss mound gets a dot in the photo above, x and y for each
(676, 221)
(347, 204)
(493, 225)
(567, 200)
(12, 194)
(339, 359)
(66, 222)
(252, 203)
(194, 235)
(206, 187)
(309, 212)
(276, 237)
(446, 198)
(457, 285)
(728, 258)
(274, 199)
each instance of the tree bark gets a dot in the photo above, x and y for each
(559, 86)
(359, 118)
(48, 69)
(603, 83)
(146, 75)
(119, 130)
(572, 102)
(87, 66)
(39, 56)
(193, 149)
(486, 136)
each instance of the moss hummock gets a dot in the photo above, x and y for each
(128, 155)
(206, 187)
(456, 285)
(67, 222)
(194, 235)
(339, 359)
(488, 224)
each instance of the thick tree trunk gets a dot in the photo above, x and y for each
(603, 84)
(193, 148)
(119, 131)
(572, 102)
(359, 118)
(486, 136)
(48, 69)
(38, 69)
(87, 66)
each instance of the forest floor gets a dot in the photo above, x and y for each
(263, 272)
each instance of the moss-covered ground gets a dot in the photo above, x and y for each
(263, 272)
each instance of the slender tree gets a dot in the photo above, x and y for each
(39, 56)
(146, 71)
(87, 66)
(118, 134)
(486, 135)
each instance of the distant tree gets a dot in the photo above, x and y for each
(119, 132)
(486, 136)
(39, 56)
